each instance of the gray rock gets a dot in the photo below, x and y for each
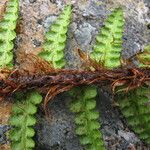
(94, 9)
(3, 130)
(48, 21)
(128, 136)
(57, 130)
(83, 35)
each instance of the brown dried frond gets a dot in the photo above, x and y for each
(88, 62)
(33, 64)
(55, 90)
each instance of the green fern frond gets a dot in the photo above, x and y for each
(109, 40)
(107, 50)
(135, 107)
(23, 120)
(7, 33)
(135, 104)
(87, 126)
(55, 39)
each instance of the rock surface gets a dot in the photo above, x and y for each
(56, 132)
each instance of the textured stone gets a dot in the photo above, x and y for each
(83, 35)
(56, 132)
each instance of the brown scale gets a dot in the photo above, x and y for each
(36, 73)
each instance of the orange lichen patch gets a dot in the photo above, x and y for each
(5, 147)
(5, 111)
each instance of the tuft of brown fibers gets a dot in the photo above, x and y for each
(36, 73)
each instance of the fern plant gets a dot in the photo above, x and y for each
(23, 120)
(53, 52)
(86, 117)
(22, 116)
(135, 104)
(135, 107)
(107, 50)
(7, 33)
(23, 112)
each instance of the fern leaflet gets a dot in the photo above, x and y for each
(55, 40)
(109, 40)
(7, 33)
(23, 120)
